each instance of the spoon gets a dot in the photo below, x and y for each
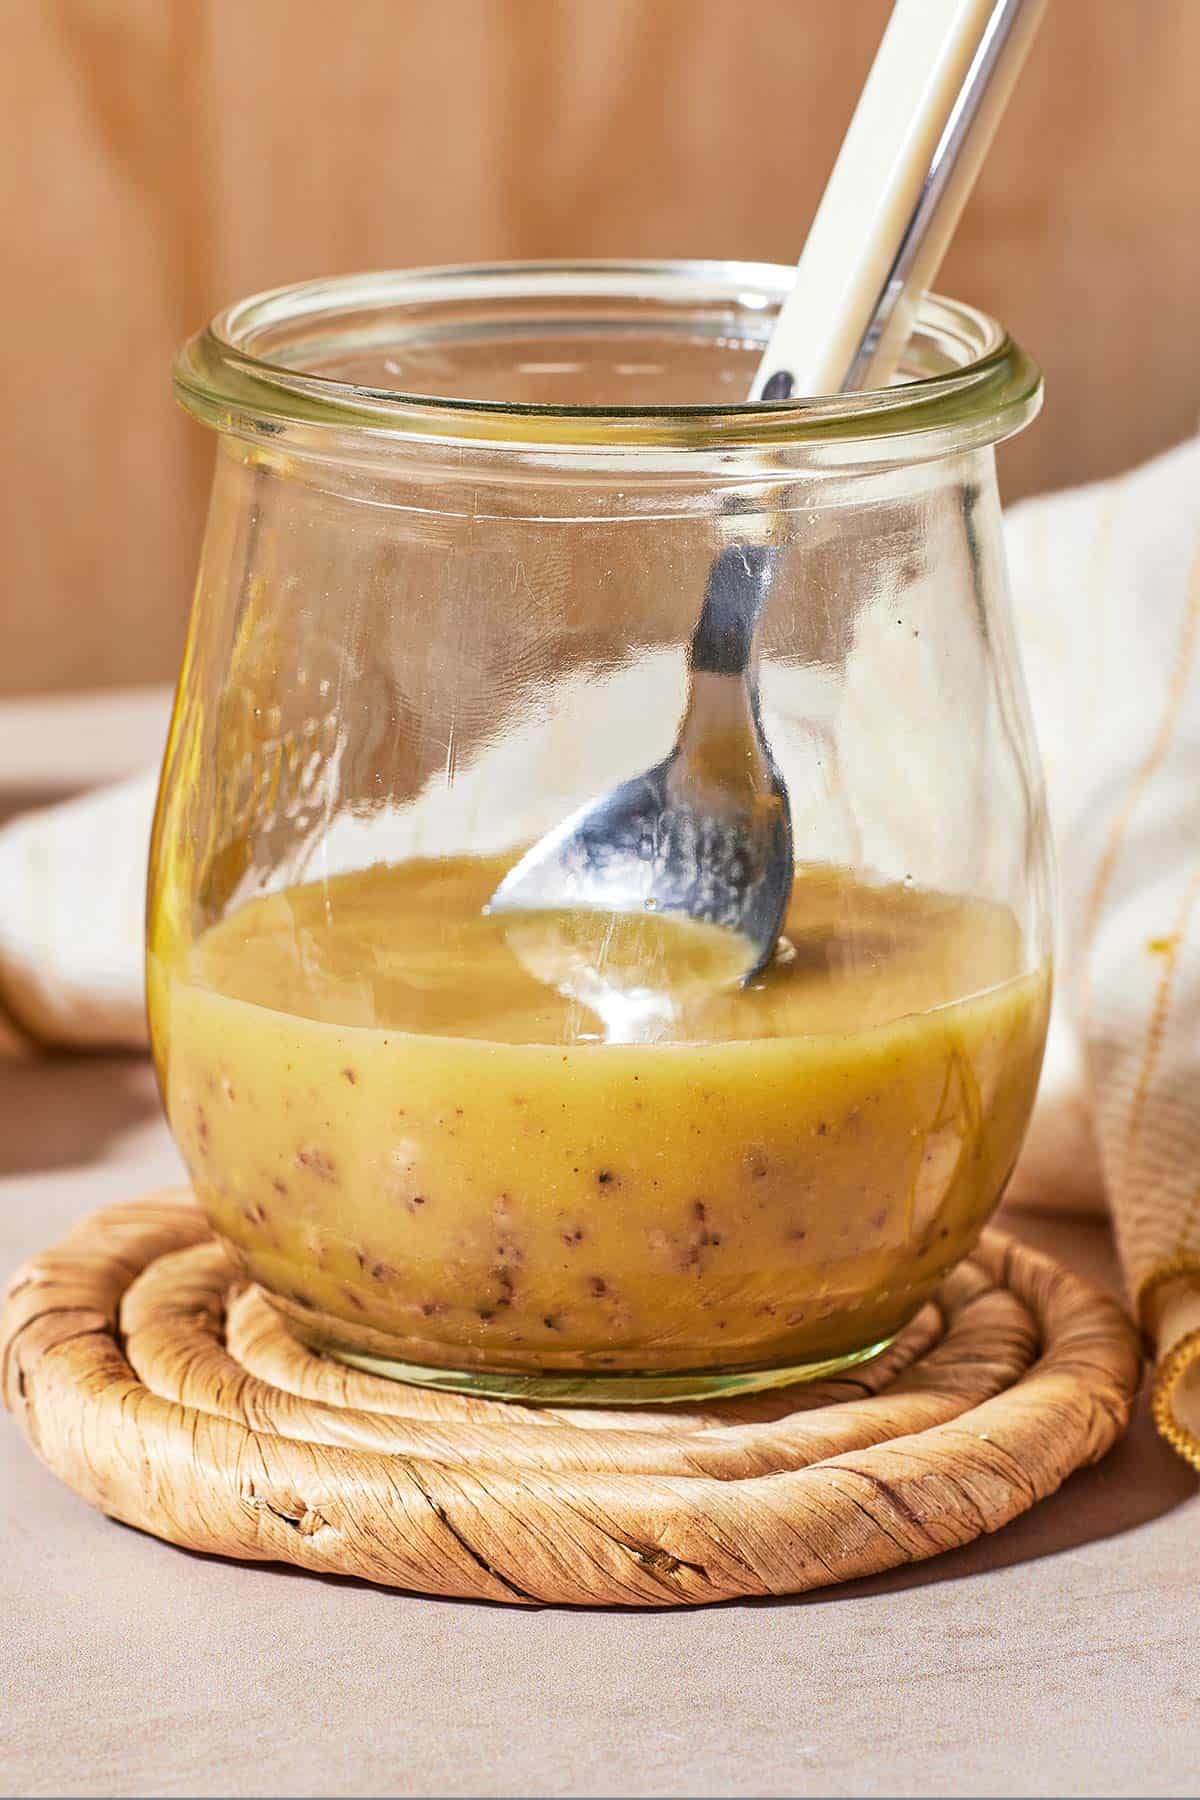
(707, 832)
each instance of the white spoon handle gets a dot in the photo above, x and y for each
(937, 88)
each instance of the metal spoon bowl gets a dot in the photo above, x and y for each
(707, 832)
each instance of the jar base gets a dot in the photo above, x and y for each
(588, 1389)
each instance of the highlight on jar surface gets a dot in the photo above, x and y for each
(567, 1151)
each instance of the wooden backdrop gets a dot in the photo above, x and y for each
(160, 157)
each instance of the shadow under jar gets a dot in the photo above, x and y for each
(460, 530)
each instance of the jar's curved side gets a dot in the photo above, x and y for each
(194, 855)
(170, 877)
(1036, 843)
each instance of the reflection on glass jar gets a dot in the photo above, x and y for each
(566, 1154)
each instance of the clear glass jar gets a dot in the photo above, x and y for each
(460, 529)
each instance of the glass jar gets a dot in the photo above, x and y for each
(460, 529)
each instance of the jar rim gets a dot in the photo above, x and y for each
(980, 385)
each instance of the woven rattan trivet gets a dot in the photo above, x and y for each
(172, 1397)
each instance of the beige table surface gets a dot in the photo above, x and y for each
(1058, 1657)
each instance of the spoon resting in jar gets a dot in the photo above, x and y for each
(706, 834)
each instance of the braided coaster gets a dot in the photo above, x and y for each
(170, 1395)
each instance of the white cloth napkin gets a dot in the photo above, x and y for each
(72, 903)
(1106, 588)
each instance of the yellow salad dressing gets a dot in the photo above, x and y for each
(569, 1143)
